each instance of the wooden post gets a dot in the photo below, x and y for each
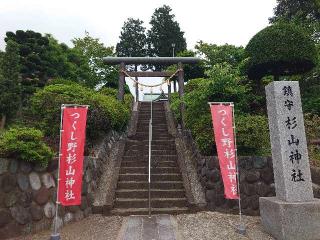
(121, 82)
(181, 92)
(137, 86)
(175, 85)
(137, 91)
(169, 92)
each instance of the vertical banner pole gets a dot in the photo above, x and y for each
(223, 120)
(241, 228)
(150, 140)
(56, 235)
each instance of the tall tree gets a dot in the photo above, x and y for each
(132, 39)
(301, 12)
(69, 63)
(35, 58)
(164, 32)
(93, 51)
(9, 82)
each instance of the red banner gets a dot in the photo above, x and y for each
(222, 119)
(71, 155)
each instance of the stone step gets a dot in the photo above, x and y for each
(144, 170)
(165, 135)
(144, 211)
(135, 152)
(145, 158)
(155, 146)
(154, 118)
(154, 129)
(154, 138)
(155, 132)
(155, 202)
(154, 177)
(145, 185)
(154, 121)
(155, 193)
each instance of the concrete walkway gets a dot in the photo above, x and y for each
(159, 227)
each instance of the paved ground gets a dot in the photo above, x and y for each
(200, 226)
(159, 227)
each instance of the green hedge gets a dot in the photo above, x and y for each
(105, 112)
(280, 49)
(25, 144)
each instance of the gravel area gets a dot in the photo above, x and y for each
(95, 227)
(217, 226)
(199, 226)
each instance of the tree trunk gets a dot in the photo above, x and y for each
(3, 121)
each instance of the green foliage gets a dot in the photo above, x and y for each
(109, 92)
(164, 32)
(191, 71)
(93, 51)
(223, 85)
(25, 144)
(34, 57)
(133, 39)
(68, 63)
(312, 125)
(311, 100)
(252, 135)
(128, 98)
(280, 49)
(9, 81)
(214, 54)
(305, 13)
(105, 112)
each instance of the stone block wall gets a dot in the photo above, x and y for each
(256, 180)
(28, 192)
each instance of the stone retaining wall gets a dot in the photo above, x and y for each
(256, 179)
(28, 192)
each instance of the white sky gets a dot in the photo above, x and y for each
(212, 21)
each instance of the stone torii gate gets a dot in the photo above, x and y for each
(123, 61)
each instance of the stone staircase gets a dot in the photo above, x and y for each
(167, 190)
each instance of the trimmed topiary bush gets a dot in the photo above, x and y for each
(25, 144)
(280, 49)
(105, 112)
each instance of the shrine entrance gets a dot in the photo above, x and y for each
(133, 75)
(150, 180)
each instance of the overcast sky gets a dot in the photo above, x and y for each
(212, 21)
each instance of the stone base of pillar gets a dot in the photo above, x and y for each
(290, 221)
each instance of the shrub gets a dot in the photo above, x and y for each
(253, 135)
(311, 100)
(280, 49)
(312, 125)
(25, 144)
(109, 92)
(223, 85)
(105, 112)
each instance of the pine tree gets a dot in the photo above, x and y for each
(9, 82)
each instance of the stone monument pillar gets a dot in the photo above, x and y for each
(294, 213)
